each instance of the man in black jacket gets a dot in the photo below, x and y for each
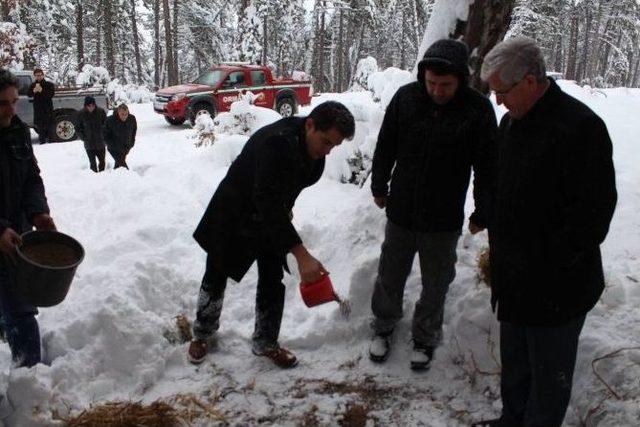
(248, 219)
(434, 132)
(22, 205)
(554, 198)
(90, 127)
(42, 92)
(120, 135)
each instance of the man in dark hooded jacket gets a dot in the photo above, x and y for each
(90, 127)
(120, 135)
(434, 132)
(248, 219)
(22, 205)
(42, 92)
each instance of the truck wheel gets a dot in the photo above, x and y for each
(175, 121)
(63, 129)
(286, 107)
(199, 109)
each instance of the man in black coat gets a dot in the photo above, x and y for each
(248, 219)
(42, 92)
(120, 135)
(22, 205)
(554, 198)
(90, 128)
(434, 132)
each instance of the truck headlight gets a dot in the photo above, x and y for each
(178, 96)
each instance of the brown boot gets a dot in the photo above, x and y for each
(197, 351)
(282, 357)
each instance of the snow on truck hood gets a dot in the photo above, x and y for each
(184, 88)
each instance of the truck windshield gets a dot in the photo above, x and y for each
(210, 78)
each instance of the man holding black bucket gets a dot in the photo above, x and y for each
(248, 219)
(23, 205)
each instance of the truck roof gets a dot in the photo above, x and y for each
(238, 66)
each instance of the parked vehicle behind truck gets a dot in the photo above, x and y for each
(216, 89)
(66, 103)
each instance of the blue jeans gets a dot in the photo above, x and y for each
(19, 323)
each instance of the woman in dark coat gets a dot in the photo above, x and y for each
(120, 135)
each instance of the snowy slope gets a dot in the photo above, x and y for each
(142, 268)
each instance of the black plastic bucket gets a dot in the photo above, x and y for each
(46, 264)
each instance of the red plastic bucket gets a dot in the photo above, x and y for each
(318, 292)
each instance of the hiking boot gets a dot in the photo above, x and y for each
(282, 357)
(197, 351)
(379, 348)
(421, 357)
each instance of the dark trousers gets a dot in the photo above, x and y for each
(437, 253)
(98, 154)
(43, 130)
(120, 159)
(269, 302)
(537, 372)
(19, 323)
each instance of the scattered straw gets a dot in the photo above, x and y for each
(184, 328)
(484, 266)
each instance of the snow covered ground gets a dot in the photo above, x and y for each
(108, 340)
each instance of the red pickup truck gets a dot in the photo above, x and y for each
(217, 88)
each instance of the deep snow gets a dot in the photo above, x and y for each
(106, 341)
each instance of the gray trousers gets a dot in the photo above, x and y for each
(437, 252)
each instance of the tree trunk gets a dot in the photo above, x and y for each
(108, 37)
(175, 41)
(80, 34)
(169, 59)
(573, 48)
(340, 75)
(136, 42)
(321, 51)
(582, 65)
(634, 82)
(403, 37)
(156, 44)
(6, 9)
(486, 26)
(265, 40)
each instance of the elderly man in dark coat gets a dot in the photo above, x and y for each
(22, 205)
(248, 219)
(42, 92)
(554, 198)
(120, 135)
(90, 127)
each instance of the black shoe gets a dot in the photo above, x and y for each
(421, 357)
(379, 348)
(497, 422)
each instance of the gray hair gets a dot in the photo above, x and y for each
(514, 59)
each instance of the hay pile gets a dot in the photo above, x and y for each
(181, 410)
(121, 414)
